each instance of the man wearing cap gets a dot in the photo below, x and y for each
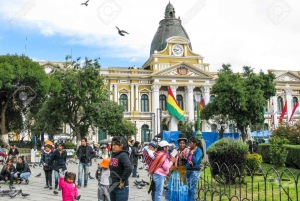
(160, 167)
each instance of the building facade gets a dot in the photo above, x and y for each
(142, 91)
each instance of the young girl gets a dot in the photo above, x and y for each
(47, 166)
(68, 187)
(102, 175)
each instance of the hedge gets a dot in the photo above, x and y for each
(292, 160)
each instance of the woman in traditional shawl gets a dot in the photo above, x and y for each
(160, 167)
(176, 188)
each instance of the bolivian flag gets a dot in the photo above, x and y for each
(173, 107)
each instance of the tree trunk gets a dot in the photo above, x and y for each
(78, 136)
(4, 134)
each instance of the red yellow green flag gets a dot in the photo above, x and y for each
(173, 107)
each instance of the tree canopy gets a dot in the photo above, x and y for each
(23, 86)
(81, 101)
(241, 97)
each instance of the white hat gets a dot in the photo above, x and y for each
(163, 143)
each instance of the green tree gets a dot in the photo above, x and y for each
(19, 74)
(187, 128)
(241, 97)
(81, 101)
(125, 128)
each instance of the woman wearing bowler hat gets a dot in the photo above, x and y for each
(174, 189)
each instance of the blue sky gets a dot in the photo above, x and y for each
(261, 34)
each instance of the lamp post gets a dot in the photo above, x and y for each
(160, 120)
(153, 121)
(198, 133)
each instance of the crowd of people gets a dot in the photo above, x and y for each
(175, 170)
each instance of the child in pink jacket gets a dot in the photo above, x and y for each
(68, 187)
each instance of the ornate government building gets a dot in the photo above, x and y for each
(142, 91)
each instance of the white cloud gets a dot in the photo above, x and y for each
(236, 32)
(133, 59)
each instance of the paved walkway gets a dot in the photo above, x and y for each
(37, 191)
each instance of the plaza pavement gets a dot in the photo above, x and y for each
(37, 192)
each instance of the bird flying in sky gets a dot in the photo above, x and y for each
(86, 3)
(121, 32)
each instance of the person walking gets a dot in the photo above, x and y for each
(160, 167)
(85, 154)
(47, 167)
(59, 157)
(194, 159)
(120, 169)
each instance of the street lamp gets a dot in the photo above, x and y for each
(153, 121)
(198, 133)
(160, 120)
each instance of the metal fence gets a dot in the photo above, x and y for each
(237, 183)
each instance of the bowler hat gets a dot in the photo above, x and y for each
(182, 136)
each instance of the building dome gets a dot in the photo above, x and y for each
(168, 27)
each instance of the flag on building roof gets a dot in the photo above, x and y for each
(294, 109)
(284, 110)
(173, 107)
(202, 102)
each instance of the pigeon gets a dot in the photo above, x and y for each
(38, 175)
(86, 3)
(24, 194)
(91, 176)
(121, 32)
(55, 192)
(12, 195)
(78, 197)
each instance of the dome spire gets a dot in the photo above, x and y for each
(170, 11)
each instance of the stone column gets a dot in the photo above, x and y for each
(132, 98)
(189, 90)
(174, 121)
(206, 97)
(276, 114)
(288, 97)
(155, 103)
(116, 93)
(111, 92)
(137, 97)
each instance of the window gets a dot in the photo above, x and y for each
(144, 103)
(102, 135)
(165, 127)
(195, 104)
(295, 100)
(179, 99)
(162, 102)
(211, 98)
(124, 101)
(231, 128)
(214, 128)
(279, 103)
(145, 133)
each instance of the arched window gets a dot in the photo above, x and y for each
(124, 101)
(279, 103)
(165, 127)
(214, 128)
(179, 99)
(295, 100)
(211, 98)
(162, 102)
(266, 126)
(144, 103)
(231, 128)
(145, 133)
